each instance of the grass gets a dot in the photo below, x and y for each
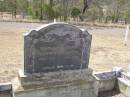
(107, 51)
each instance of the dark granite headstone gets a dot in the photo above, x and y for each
(56, 46)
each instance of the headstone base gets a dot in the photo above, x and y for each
(70, 83)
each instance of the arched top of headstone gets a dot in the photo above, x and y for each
(56, 25)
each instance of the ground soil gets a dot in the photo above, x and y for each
(107, 48)
(112, 93)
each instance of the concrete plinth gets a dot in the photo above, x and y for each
(70, 83)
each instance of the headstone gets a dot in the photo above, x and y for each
(55, 47)
(56, 58)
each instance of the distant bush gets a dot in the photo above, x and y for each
(75, 12)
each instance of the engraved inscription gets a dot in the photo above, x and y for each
(56, 47)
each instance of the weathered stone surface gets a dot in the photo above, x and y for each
(71, 83)
(5, 87)
(55, 47)
(6, 90)
(61, 50)
(123, 83)
(68, 91)
(124, 86)
(53, 79)
(105, 81)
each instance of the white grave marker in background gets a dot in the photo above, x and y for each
(129, 68)
(54, 20)
(126, 35)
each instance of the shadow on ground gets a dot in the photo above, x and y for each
(112, 93)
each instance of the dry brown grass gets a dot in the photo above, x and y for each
(10, 52)
(107, 51)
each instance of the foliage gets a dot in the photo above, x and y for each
(75, 12)
(98, 10)
(127, 16)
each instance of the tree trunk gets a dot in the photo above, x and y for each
(51, 3)
(41, 11)
(15, 9)
(85, 6)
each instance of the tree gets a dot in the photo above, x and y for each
(86, 5)
(58, 11)
(75, 12)
(41, 10)
(127, 16)
(14, 7)
(48, 11)
(11, 6)
(115, 9)
(51, 3)
(23, 7)
(2, 6)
